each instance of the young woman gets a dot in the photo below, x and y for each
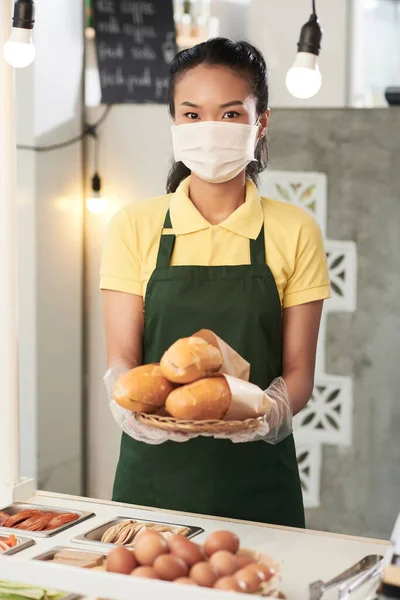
(214, 254)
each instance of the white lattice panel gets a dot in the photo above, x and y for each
(342, 264)
(327, 418)
(305, 189)
(309, 458)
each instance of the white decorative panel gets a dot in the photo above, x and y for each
(342, 263)
(327, 418)
(328, 415)
(308, 190)
(309, 458)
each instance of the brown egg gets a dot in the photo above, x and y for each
(221, 540)
(147, 572)
(244, 560)
(229, 583)
(149, 546)
(248, 578)
(185, 581)
(224, 563)
(120, 560)
(264, 572)
(203, 574)
(170, 567)
(190, 552)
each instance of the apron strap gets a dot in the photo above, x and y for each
(167, 243)
(257, 249)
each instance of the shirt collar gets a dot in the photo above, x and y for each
(246, 221)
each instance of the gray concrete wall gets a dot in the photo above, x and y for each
(359, 150)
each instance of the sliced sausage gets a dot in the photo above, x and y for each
(20, 516)
(3, 517)
(60, 520)
(36, 523)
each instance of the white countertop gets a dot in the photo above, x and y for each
(304, 555)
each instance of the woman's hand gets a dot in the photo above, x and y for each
(299, 340)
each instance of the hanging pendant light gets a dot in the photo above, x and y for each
(19, 51)
(303, 80)
(95, 203)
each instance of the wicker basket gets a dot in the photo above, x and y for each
(202, 427)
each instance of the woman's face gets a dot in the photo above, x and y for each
(212, 93)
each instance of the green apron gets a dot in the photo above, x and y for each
(253, 481)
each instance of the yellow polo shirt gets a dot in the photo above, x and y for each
(293, 242)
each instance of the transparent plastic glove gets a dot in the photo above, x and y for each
(280, 416)
(111, 377)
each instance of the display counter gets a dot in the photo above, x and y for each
(304, 555)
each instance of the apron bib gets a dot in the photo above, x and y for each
(253, 481)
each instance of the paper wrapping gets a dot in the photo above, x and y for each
(233, 364)
(248, 400)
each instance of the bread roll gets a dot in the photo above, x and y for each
(205, 399)
(142, 389)
(190, 359)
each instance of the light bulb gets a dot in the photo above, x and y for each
(96, 204)
(304, 80)
(19, 51)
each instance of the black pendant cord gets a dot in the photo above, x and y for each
(313, 7)
(87, 131)
(96, 153)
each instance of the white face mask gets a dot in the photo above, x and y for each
(215, 151)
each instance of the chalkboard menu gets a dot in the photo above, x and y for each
(135, 43)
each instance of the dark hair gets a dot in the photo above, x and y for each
(238, 56)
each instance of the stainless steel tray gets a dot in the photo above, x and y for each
(49, 555)
(18, 506)
(23, 544)
(93, 537)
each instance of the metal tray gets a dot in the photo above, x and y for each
(18, 506)
(23, 544)
(93, 537)
(49, 555)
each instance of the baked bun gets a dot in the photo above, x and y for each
(190, 359)
(202, 400)
(142, 389)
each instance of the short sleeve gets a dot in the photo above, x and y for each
(310, 278)
(121, 264)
